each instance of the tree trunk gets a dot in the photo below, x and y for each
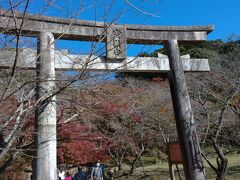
(138, 156)
(222, 161)
(133, 167)
(222, 167)
(119, 165)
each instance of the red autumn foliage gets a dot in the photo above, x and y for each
(8, 106)
(80, 145)
(7, 109)
(111, 108)
(136, 118)
(9, 113)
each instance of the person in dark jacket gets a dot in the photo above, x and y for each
(80, 175)
(97, 171)
(103, 167)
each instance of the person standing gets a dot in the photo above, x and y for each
(61, 175)
(97, 172)
(80, 175)
(103, 167)
(111, 174)
(68, 177)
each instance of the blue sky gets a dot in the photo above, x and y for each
(224, 15)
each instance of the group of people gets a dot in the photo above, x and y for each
(97, 173)
(80, 175)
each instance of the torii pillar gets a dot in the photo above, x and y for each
(186, 127)
(45, 165)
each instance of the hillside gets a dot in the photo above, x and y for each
(125, 121)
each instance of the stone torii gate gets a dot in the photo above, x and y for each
(47, 29)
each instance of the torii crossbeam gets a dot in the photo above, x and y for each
(63, 61)
(116, 37)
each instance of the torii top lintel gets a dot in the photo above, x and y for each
(73, 29)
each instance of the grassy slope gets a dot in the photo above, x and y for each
(160, 171)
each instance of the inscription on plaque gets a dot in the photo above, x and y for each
(116, 42)
(174, 153)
